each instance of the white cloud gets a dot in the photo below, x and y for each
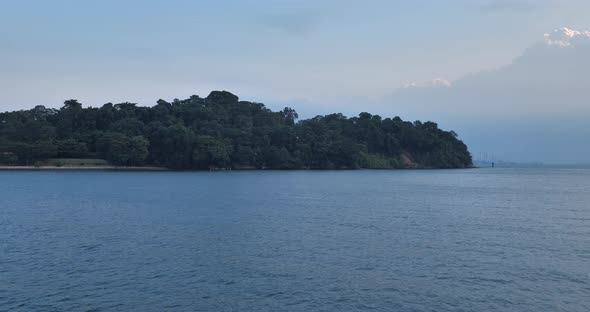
(565, 37)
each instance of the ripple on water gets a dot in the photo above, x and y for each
(468, 240)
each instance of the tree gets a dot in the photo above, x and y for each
(178, 147)
(220, 131)
(71, 148)
(69, 117)
(290, 115)
(123, 150)
(211, 153)
(128, 126)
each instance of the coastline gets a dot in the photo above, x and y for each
(147, 168)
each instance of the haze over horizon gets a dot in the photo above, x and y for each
(510, 76)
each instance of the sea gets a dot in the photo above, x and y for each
(489, 239)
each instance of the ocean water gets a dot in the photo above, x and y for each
(426, 240)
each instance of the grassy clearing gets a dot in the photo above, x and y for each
(372, 161)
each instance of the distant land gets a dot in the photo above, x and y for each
(523, 165)
(216, 133)
(506, 164)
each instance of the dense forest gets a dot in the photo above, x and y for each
(221, 132)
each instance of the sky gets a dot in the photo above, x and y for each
(508, 75)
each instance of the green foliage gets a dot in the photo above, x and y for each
(210, 152)
(220, 131)
(71, 148)
(123, 150)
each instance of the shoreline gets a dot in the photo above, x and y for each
(80, 168)
(162, 169)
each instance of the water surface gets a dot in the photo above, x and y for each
(448, 240)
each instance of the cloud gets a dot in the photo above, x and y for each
(565, 37)
(551, 76)
(534, 109)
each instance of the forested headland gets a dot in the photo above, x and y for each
(222, 132)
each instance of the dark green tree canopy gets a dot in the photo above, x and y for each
(220, 131)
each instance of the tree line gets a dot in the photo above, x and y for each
(220, 131)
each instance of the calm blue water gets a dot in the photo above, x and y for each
(458, 240)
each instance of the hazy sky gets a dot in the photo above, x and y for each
(475, 66)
